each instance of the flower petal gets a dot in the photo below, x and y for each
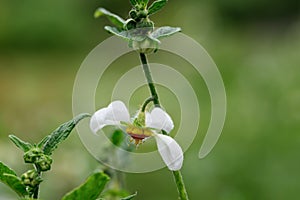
(159, 119)
(170, 151)
(111, 115)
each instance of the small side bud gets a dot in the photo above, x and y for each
(44, 162)
(130, 24)
(133, 14)
(31, 178)
(32, 155)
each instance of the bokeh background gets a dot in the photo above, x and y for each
(256, 45)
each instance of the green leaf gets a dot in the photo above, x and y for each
(51, 141)
(90, 189)
(117, 137)
(133, 2)
(5, 170)
(9, 177)
(130, 197)
(15, 184)
(165, 31)
(156, 6)
(145, 2)
(113, 18)
(115, 31)
(25, 146)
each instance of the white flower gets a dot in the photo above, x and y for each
(144, 126)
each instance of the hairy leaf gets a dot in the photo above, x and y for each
(165, 31)
(130, 197)
(9, 177)
(25, 146)
(113, 18)
(5, 170)
(133, 2)
(15, 184)
(90, 189)
(51, 141)
(145, 2)
(115, 31)
(156, 6)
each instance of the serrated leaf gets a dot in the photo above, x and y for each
(90, 189)
(9, 177)
(51, 141)
(113, 18)
(156, 6)
(130, 197)
(25, 146)
(165, 31)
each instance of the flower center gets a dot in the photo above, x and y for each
(138, 134)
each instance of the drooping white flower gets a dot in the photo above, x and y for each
(144, 126)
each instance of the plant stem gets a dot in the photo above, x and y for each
(36, 189)
(147, 101)
(177, 174)
(149, 79)
(180, 185)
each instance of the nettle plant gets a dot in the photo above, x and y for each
(139, 31)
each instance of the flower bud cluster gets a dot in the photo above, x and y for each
(36, 156)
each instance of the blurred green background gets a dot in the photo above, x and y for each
(255, 44)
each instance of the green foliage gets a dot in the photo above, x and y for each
(117, 137)
(138, 30)
(165, 31)
(90, 189)
(114, 19)
(49, 144)
(156, 6)
(9, 177)
(38, 155)
(115, 31)
(134, 2)
(25, 146)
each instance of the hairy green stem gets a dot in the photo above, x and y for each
(149, 79)
(147, 101)
(37, 188)
(176, 174)
(180, 185)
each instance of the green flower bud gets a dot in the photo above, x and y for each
(32, 155)
(44, 162)
(133, 14)
(142, 14)
(130, 24)
(31, 178)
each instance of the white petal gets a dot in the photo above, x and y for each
(170, 151)
(159, 119)
(111, 115)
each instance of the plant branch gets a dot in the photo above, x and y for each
(177, 174)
